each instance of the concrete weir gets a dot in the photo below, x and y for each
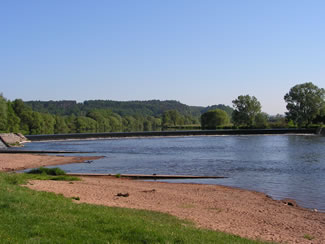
(81, 136)
(2, 144)
(11, 140)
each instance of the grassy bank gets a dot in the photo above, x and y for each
(28, 216)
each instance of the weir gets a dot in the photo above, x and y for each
(80, 136)
(320, 131)
(2, 144)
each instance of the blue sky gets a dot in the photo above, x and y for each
(197, 52)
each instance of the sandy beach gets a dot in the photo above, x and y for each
(241, 212)
(12, 162)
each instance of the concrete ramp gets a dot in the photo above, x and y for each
(12, 139)
(2, 145)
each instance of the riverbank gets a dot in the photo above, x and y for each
(28, 216)
(13, 162)
(246, 213)
(241, 212)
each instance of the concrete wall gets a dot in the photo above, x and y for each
(12, 139)
(2, 145)
(321, 131)
(169, 133)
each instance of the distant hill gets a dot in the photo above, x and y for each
(124, 108)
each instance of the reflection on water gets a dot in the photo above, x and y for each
(278, 165)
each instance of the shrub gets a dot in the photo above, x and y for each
(47, 171)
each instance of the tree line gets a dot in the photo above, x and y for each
(305, 105)
(70, 117)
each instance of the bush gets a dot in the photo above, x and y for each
(214, 118)
(47, 171)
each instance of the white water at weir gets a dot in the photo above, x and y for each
(282, 166)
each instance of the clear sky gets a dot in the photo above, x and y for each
(196, 52)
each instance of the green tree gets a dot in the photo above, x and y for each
(115, 122)
(320, 118)
(304, 103)
(147, 125)
(129, 123)
(13, 120)
(214, 118)
(102, 122)
(3, 114)
(48, 124)
(172, 118)
(36, 123)
(60, 126)
(246, 108)
(278, 121)
(261, 120)
(71, 123)
(25, 114)
(85, 124)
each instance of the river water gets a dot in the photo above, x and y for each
(282, 166)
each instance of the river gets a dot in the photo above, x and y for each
(282, 166)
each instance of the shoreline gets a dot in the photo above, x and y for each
(19, 161)
(237, 211)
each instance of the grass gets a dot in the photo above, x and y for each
(47, 171)
(48, 174)
(187, 205)
(28, 216)
(308, 237)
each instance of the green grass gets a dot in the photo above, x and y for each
(28, 216)
(47, 174)
(47, 171)
(308, 237)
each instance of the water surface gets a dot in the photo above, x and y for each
(282, 166)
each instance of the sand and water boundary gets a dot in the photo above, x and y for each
(246, 213)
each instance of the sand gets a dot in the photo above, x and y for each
(237, 211)
(13, 162)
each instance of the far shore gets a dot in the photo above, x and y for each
(219, 132)
(246, 213)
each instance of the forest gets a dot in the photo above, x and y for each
(59, 117)
(305, 105)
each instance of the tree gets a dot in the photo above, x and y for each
(277, 121)
(60, 126)
(261, 120)
(70, 122)
(13, 120)
(25, 114)
(48, 125)
(115, 122)
(214, 118)
(320, 118)
(172, 118)
(3, 114)
(246, 108)
(304, 103)
(36, 123)
(85, 124)
(102, 122)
